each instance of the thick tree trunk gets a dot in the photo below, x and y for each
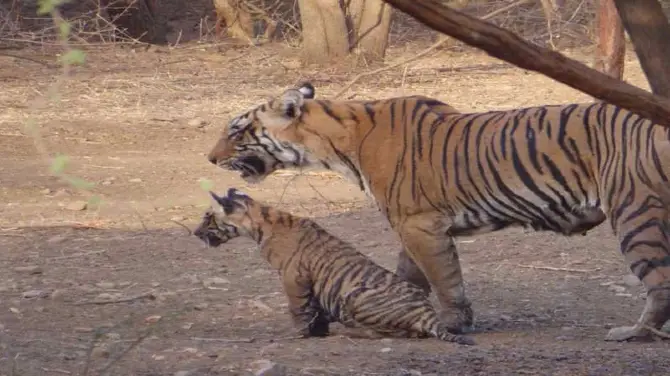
(650, 33)
(324, 31)
(509, 47)
(138, 19)
(611, 49)
(239, 23)
(370, 24)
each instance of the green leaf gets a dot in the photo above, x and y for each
(206, 184)
(74, 57)
(64, 28)
(78, 182)
(58, 164)
(94, 201)
(48, 6)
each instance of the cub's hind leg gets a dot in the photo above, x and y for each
(643, 229)
(400, 310)
(434, 252)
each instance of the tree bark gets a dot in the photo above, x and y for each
(611, 49)
(649, 31)
(239, 23)
(509, 47)
(370, 26)
(324, 31)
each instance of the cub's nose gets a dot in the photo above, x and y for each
(211, 159)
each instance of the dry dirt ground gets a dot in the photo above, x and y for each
(137, 124)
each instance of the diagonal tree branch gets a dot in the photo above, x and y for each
(507, 46)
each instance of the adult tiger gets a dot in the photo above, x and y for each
(437, 173)
(324, 278)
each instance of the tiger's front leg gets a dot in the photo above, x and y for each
(307, 314)
(426, 242)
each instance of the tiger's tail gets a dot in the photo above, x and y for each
(443, 334)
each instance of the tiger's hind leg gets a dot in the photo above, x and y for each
(408, 270)
(644, 234)
(434, 252)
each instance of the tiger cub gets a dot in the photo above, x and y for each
(325, 279)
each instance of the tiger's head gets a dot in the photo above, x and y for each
(291, 131)
(229, 217)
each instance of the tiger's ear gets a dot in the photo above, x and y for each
(237, 195)
(222, 204)
(307, 90)
(284, 110)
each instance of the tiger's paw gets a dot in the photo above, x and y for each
(459, 320)
(628, 333)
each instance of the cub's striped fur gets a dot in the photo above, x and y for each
(437, 173)
(324, 278)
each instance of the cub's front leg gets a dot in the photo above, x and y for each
(308, 316)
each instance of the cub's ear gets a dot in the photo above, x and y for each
(237, 195)
(307, 90)
(283, 110)
(222, 204)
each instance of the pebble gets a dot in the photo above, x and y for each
(197, 122)
(106, 285)
(152, 319)
(631, 280)
(385, 350)
(266, 367)
(617, 288)
(30, 294)
(135, 180)
(77, 206)
(30, 269)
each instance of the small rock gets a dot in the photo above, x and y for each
(197, 122)
(45, 191)
(135, 180)
(631, 280)
(100, 352)
(385, 350)
(268, 368)
(158, 357)
(77, 206)
(617, 288)
(113, 336)
(506, 318)
(155, 284)
(106, 285)
(187, 326)
(212, 283)
(105, 297)
(30, 294)
(201, 306)
(386, 340)
(260, 305)
(185, 373)
(56, 239)
(152, 319)
(178, 218)
(30, 269)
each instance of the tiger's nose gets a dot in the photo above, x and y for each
(211, 159)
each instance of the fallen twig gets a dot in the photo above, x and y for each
(422, 53)
(147, 295)
(188, 230)
(557, 269)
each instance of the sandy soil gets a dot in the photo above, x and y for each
(138, 123)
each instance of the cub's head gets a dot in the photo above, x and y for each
(252, 144)
(229, 216)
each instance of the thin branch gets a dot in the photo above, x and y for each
(422, 53)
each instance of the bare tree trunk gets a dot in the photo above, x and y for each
(138, 19)
(370, 26)
(649, 31)
(507, 46)
(611, 49)
(239, 23)
(324, 31)
(550, 8)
